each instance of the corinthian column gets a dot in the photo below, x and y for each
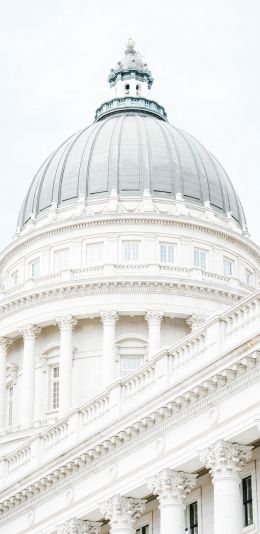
(122, 513)
(225, 460)
(154, 319)
(109, 319)
(66, 325)
(29, 333)
(4, 344)
(172, 488)
(79, 526)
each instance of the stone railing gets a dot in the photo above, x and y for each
(110, 270)
(210, 343)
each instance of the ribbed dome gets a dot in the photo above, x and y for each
(131, 152)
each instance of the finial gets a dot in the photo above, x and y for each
(130, 44)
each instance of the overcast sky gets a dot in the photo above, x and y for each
(55, 56)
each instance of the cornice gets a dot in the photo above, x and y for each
(197, 398)
(75, 289)
(126, 218)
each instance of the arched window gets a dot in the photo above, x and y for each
(138, 89)
(131, 353)
(127, 89)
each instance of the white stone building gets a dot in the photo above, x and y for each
(130, 335)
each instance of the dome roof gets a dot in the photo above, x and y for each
(131, 152)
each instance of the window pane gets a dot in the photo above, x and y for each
(34, 268)
(61, 259)
(167, 252)
(247, 501)
(129, 364)
(131, 250)
(228, 266)
(200, 258)
(10, 405)
(94, 254)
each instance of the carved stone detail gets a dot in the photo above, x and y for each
(68, 322)
(109, 317)
(5, 343)
(225, 458)
(122, 510)
(30, 331)
(79, 526)
(154, 317)
(195, 321)
(172, 485)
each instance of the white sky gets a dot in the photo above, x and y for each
(55, 56)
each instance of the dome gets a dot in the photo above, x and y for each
(131, 152)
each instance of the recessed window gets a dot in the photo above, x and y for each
(249, 277)
(247, 501)
(193, 517)
(128, 364)
(10, 405)
(200, 258)
(34, 268)
(94, 254)
(228, 266)
(127, 89)
(55, 387)
(131, 251)
(138, 89)
(61, 259)
(14, 279)
(143, 530)
(167, 253)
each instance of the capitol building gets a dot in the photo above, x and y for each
(130, 334)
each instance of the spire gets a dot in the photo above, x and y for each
(130, 46)
(131, 67)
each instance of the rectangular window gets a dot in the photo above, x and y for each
(249, 277)
(10, 405)
(128, 364)
(247, 501)
(34, 268)
(228, 266)
(14, 279)
(143, 530)
(131, 250)
(200, 258)
(167, 252)
(193, 509)
(61, 259)
(55, 388)
(94, 254)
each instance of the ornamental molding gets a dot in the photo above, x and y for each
(122, 511)
(5, 343)
(196, 321)
(154, 317)
(171, 486)
(181, 288)
(226, 459)
(11, 374)
(180, 408)
(80, 526)
(66, 323)
(68, 226)
(30, 331)
(109, 317)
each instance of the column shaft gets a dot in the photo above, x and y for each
(29, 333)
(66, 325)
(4, 344)
(225, 460)
(154, 319)
(109, 320)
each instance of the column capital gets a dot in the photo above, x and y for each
(30, 331)
(66, 322)
(194, 321)
(154, 317)
(120, 510)
(172, 486)
(226, 459)
(5, 343)
(109, 317)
